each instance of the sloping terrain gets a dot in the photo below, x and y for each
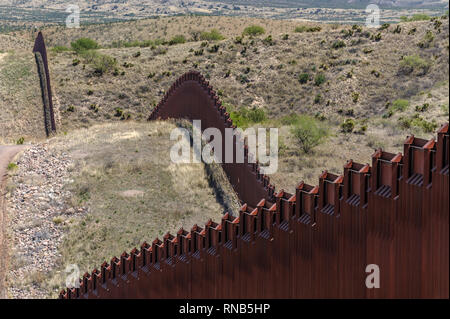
(21, 112)
(85, 197)
(336, 74)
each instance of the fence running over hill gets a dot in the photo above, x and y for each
(313, 243)
(42, 65)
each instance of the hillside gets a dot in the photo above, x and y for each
(337, 73)
(103, 184)
(27, 13)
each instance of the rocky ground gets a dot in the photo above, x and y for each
(36, 204)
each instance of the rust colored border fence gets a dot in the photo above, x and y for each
(42, 65)
(313, 243)
(191, 97)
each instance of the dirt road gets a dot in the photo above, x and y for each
(7, 154)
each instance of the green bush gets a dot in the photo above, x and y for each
(213, 35)
(308, 132)
(419, 122)
(118, 112)
(303, 78)
(20, 141)
(318, 98)
(12, 166)
(444, 108)
(254, 30)
(415, 17)
(290, 119)
(399, 105)
(412, 63)
(348, 125)
(269, 40)
(244, 117)
(427, 40)
(59, 49)
(178, 39)
(338, 44)
(304, 28)
(84, 44)
(319, 79)
(422, 108)
(103, 63)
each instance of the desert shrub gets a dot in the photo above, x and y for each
(338, 44)
(308, 132)
(304, 28)
(444, 108)
(355, 97)
(317, 98)
(419, 122)
(415, 17)
(376, 73)
(290, 119)
(245, 116)
(213, 35)
(137, 54)
(422, 108)
(269, 40)
(214, 48)
(303, 78)
(198, 52)
(399, 105)
(397, 29)
(71, 108)
(12, 166)
(319, 79)
(178, 39)
(254, 30)
(413, 63)
(437, 24)
(412, 31)
(160, 51)
(118, 112)
(94, 107)
(348, 125)
(75, 62)
(84, 44)
(285, 37)
(385, 26)
(376, 37)
(60, 48)
(103, 63)
(20, 141)
(427, 40)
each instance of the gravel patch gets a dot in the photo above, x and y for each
(38, 207)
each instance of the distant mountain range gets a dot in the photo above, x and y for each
(341, 3)
(269, 3)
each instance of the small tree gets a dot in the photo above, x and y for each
(84, 44)
(308, 132)
(254, 30)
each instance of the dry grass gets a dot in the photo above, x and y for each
(21, 113)
(133, 192)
